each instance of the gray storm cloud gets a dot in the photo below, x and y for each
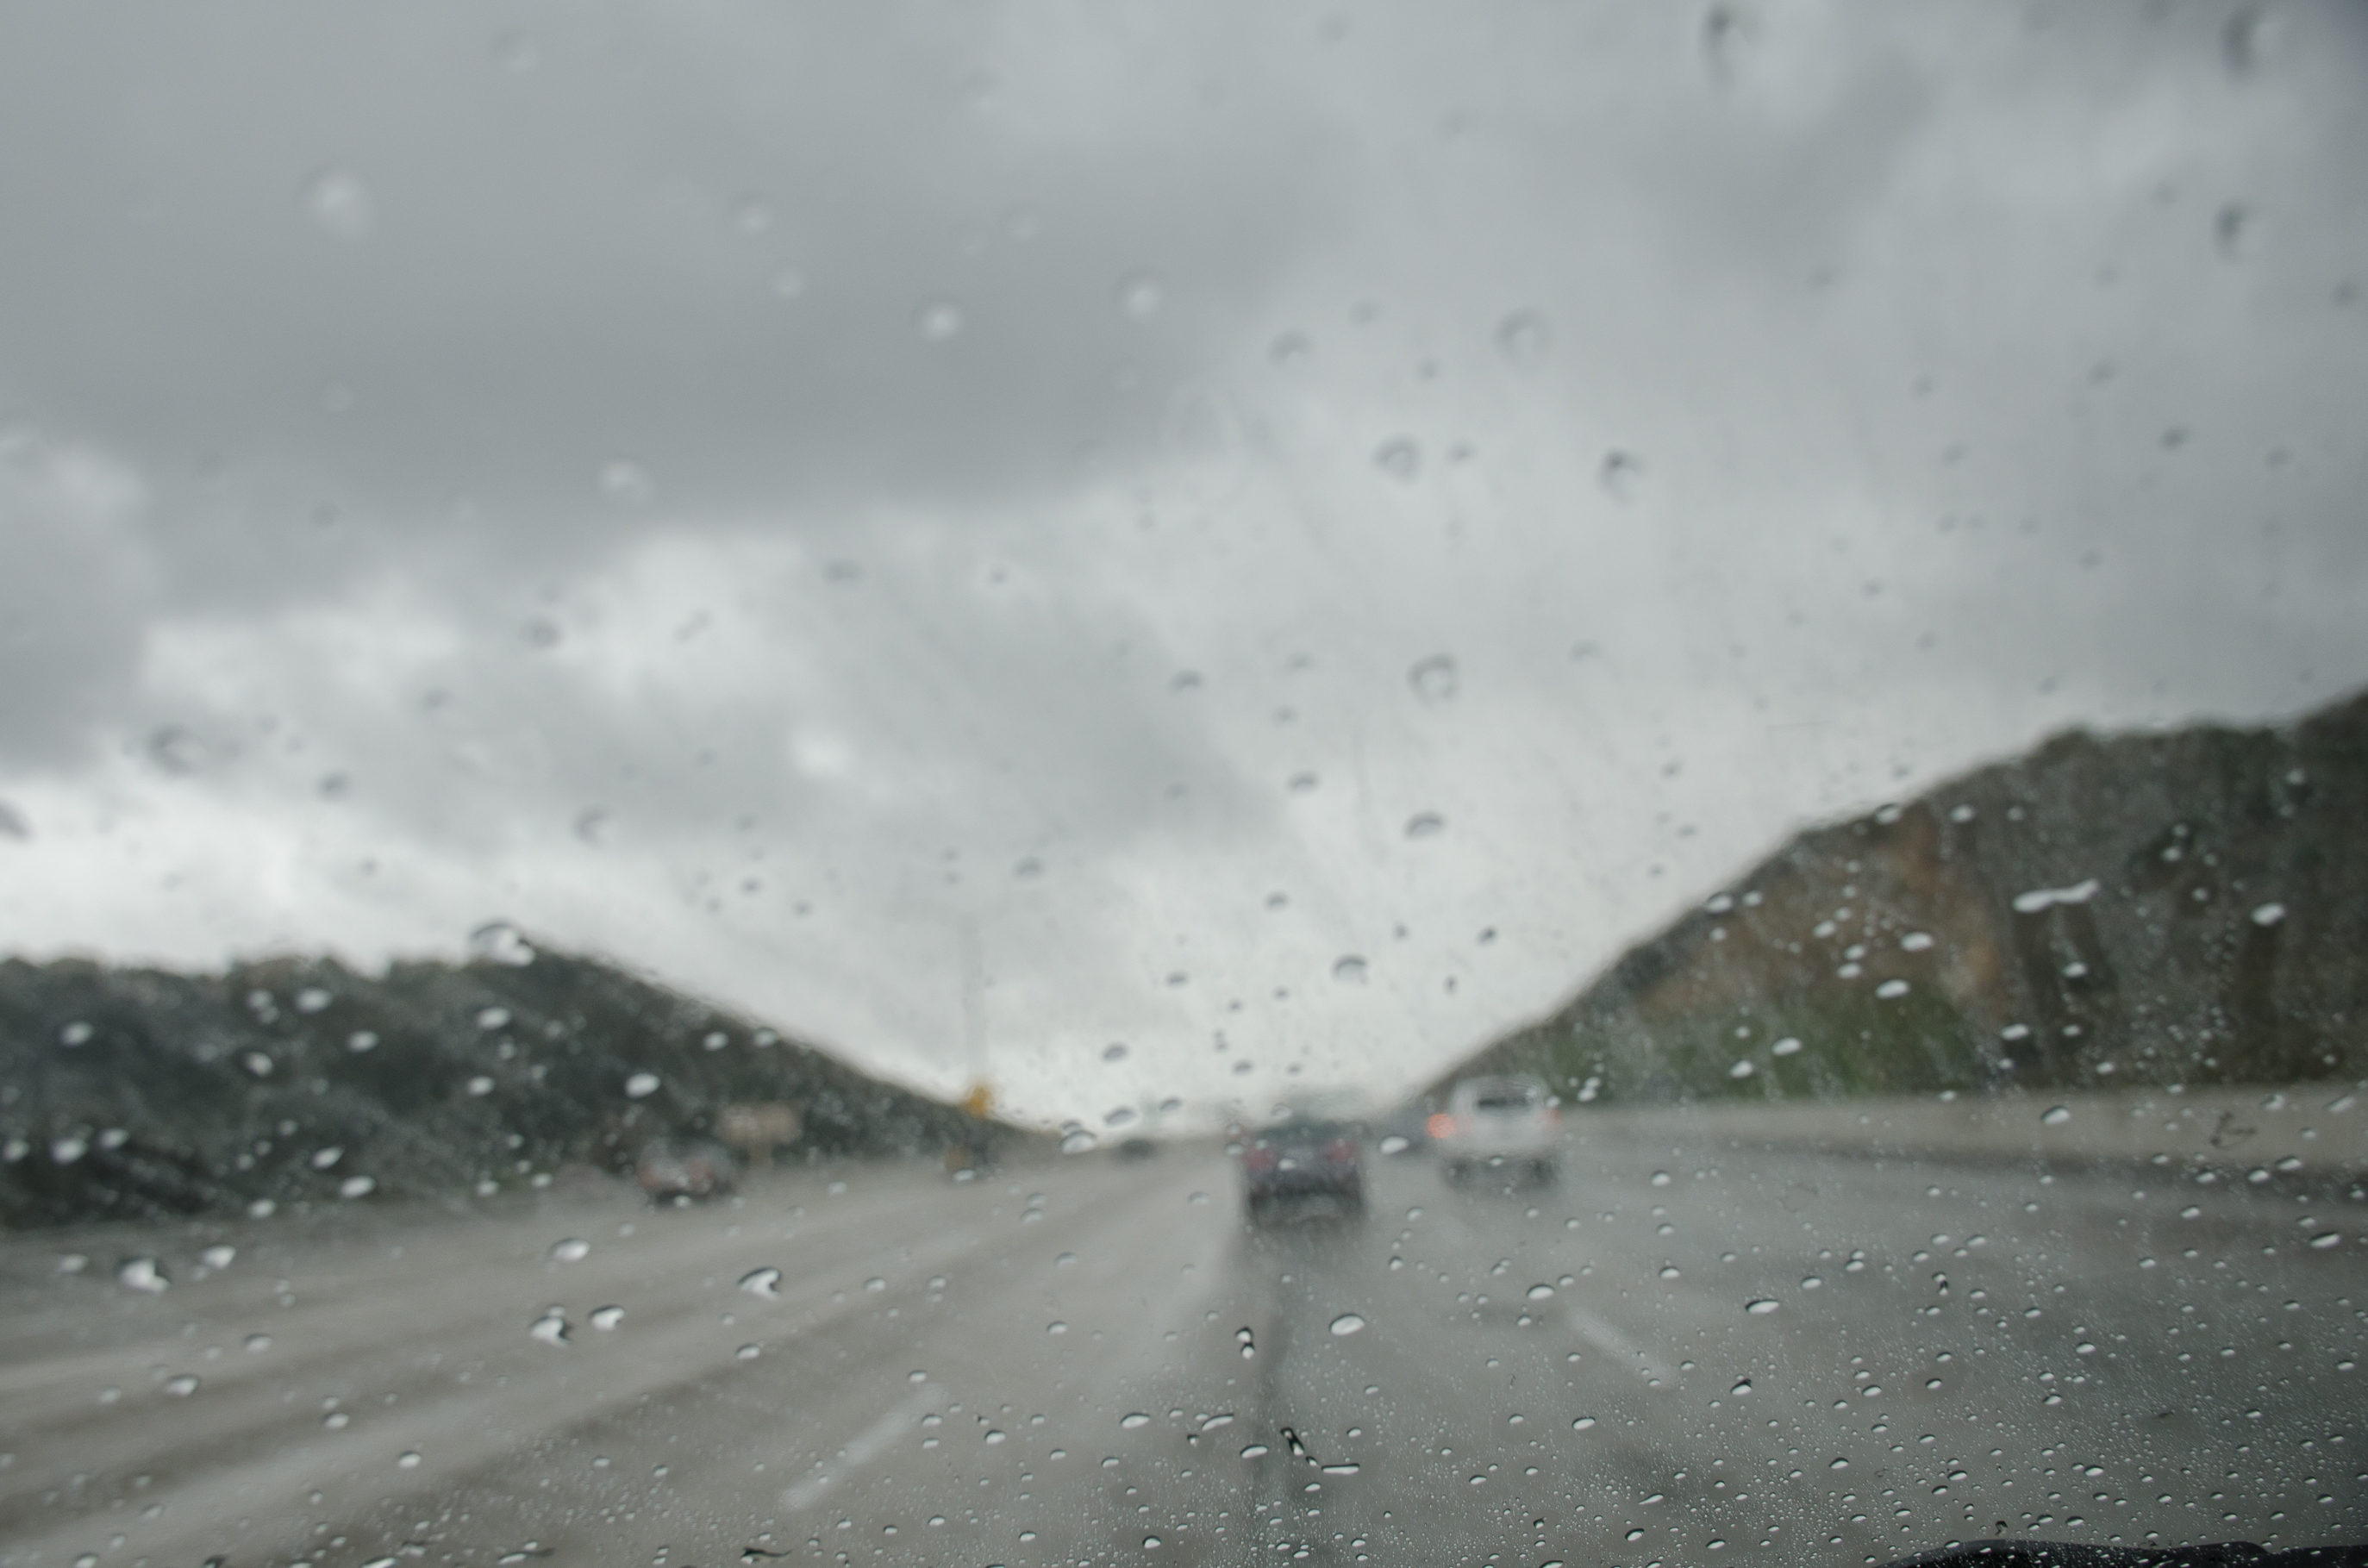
(926, 519)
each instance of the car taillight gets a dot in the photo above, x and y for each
(1258, 1159)
(1440, 1125)
(1339, 1150)
(1550, 1116)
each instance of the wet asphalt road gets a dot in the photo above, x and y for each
(1096, 1362)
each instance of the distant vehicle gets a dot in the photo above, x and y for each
(1137, 1148)
(970, 1157)
(1506, 1124)
(685, 1169)
(1302, 1163)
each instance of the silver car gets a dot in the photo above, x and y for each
(1508, 1126)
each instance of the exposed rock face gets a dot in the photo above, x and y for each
(138, 1092)
(2182, 907)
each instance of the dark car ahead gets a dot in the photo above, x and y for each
(1303, 1164)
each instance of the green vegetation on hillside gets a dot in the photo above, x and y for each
(139, 1093)
(2186, 908)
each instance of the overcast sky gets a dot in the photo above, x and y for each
(1277, 538)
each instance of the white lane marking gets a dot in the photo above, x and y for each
(862, 1449)
(1614, 1342)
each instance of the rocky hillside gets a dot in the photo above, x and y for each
(2177, 907)
(139, 1093)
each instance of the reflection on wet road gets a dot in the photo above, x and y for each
(1677, 1350)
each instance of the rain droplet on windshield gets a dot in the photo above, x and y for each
(176, 750)
(606, 1318)
(1434, 679)
(1349, 970)
(641, 1086)
(1346, 1323)
(1242, 1338)
(551, 1328)
(1742, 1386)
(1759, 1308)
(1425, 824)
(141, 1274)
(1540, 1292)
(753, 215)
(1620, 474)
(1114, 1052)
(1525, 339)
(340, 203)
(2249, 37)
(1400, 458)
(1788, 1046)
(498, 941)
(1134, 1419)
(627, 482)
(361, 1040)
(573, 1249)
(2056, 1116)
(2232, 227)
(1141, 297)
(764, 1282)
(940, 321)
(182, 1386)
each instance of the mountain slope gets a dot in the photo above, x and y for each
(139, 1093)
(2180, 907)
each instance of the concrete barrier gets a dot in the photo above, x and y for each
(2311, 1130)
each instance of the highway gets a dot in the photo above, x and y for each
(1094, 1360)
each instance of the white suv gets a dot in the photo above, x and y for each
(1505, 1125)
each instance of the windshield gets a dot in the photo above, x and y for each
(1006, 783)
